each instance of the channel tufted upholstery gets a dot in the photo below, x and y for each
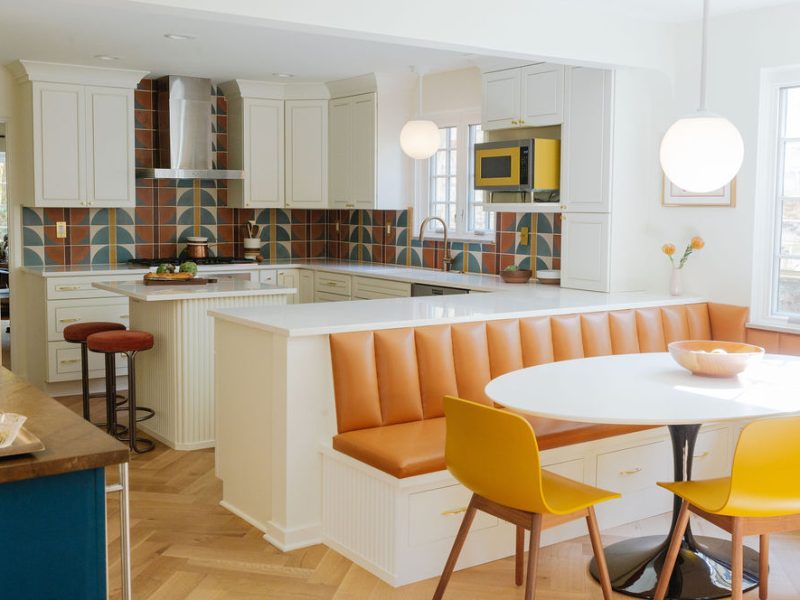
(390, 384)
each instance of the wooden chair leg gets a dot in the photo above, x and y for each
(763, 566)
(533, 555)
(737, 559)
(672, 552)
(458, 544)
(519, 568)
(599, 553)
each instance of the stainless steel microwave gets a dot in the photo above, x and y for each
(518, 165)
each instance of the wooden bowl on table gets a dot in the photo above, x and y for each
(715, 359)
(516, 276)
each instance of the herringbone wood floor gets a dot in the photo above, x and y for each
(186, 546)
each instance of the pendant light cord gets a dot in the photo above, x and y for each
(704, 58)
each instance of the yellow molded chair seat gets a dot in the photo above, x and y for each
(494, 454)
(761, 496)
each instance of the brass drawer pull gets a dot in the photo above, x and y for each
(701, 455)
(70, 361)
(455, 511)
(73, 320)
(631, 471)
(68, 288)
(124, 316)
(331, 283)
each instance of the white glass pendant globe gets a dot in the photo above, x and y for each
(419, 139)
(701, 153)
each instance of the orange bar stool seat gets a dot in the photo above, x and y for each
(130, 343)
(494, 454)
(761, 496)
(77, 334)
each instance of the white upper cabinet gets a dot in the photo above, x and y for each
(76, 129)
(531, 96)
(255, 145)
(110, 147)
(352, 151)
(307, 153)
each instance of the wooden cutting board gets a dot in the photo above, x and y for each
(192, 281)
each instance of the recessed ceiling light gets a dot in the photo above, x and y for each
(284, 75)
(178, 36)
(106, 57)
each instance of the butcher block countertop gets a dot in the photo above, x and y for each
(71, 444)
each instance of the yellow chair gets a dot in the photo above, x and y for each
(761, 496)
(494, 454)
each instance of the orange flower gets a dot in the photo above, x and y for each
(668, 249)
(697, 243)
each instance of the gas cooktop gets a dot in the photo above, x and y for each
(175, 260)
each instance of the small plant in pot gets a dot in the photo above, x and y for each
(513, 274)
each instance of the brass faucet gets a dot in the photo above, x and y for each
(447, 261)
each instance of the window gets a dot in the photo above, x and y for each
(448, 178)
(776, 241)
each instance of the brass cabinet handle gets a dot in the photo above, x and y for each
(331, 283)
(514, 122)
(701, 455)
(70, 361)
(350, 205)
(455, 511)
(73, 320)
(631, 471)
(124, 316)
(68, 288)
(563, 217)
(521, 122)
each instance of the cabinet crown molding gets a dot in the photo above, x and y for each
(31, 70)
(372, 82)
(270, 90)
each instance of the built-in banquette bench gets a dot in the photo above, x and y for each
(388, 501)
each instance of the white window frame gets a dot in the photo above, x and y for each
(767, 225)
(461, 120)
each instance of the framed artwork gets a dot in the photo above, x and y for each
(672, 195)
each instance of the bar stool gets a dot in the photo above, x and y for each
(77, 334)
(128, 342)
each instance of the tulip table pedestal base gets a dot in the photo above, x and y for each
(702, 570)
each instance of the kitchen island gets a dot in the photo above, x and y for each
(176, 377)
(272, 428)
(53, 502)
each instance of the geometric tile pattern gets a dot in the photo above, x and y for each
(169, 211)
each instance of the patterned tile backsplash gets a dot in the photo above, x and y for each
(167, 211)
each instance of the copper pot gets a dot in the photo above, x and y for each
(197, 247)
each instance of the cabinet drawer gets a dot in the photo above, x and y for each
(62, 313)
(269, 276)
(571, 469)
(436, 514)
(64, 363)
(711, 457)
(368, 288)
(633, 469)
(328, 297)
(65, 288)
(333, 283)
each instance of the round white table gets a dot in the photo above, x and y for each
(651, 389)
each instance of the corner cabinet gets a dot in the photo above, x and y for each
(531, 96)
(76, 135)
(306, 153)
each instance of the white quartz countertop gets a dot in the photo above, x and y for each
(137, 290)
(361, 315)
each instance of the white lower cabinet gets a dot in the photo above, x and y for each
(306, 286)
(62, 313)
(437, 514)
(370, 288)
(331, 287)
(290, 278)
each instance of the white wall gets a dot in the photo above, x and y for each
(740, 45)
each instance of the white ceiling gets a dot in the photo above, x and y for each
(227, 47)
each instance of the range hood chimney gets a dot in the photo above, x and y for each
(183, 131)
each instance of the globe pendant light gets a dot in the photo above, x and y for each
(419, 138)
(702, 152)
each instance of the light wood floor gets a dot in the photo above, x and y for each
(186, 546)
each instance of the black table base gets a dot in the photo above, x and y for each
(703, 568)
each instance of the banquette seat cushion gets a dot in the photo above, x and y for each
(390, 384)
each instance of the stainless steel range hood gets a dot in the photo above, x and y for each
(183, 131)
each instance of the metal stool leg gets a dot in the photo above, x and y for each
(85, 380)
(111, 393)
(125, 530)
(138, 446)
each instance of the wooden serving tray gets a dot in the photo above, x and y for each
(24, 443)
(192, 281)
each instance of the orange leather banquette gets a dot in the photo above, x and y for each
(390, 383)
